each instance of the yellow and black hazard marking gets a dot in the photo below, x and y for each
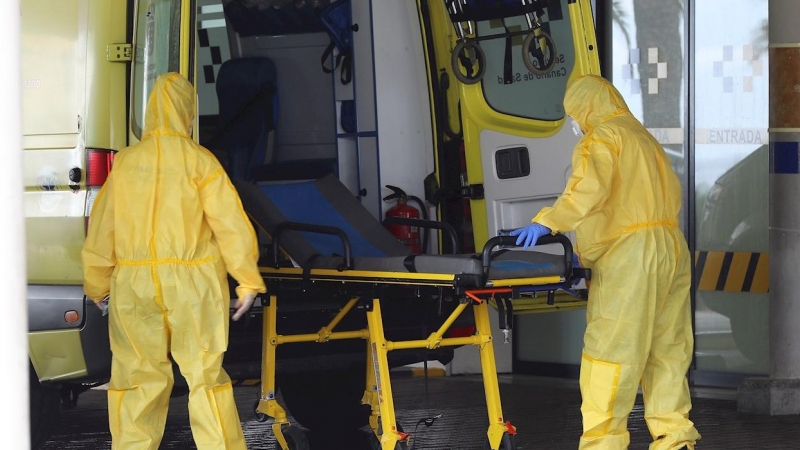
(732, 271)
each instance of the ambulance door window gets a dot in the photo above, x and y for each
(508, 86)
(157, 51)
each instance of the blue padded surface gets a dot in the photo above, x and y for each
(303, 202)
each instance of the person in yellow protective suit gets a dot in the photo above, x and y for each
(164, 231)
(623, 201)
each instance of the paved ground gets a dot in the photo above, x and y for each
(546, 413)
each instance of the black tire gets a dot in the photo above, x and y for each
(260, 417)
(473, 52)
(509, 442)
(328, 401)
(296, 438)
(531, 51)
(45, 407)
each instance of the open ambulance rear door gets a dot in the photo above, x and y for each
(508, 151)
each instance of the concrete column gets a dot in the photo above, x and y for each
(14, 427)
(780, 393)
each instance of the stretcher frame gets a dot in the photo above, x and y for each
(366, 288)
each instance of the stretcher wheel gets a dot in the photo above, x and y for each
(375, 442)
(470, 53)
(260, 417)
(296, 438)
(508, 442)
(539, 61)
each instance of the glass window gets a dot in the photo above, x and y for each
(157, 51)
(528, 95)
(732, 186)
(647, 69)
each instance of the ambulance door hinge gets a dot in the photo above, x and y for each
(472, 191)
(119, 52)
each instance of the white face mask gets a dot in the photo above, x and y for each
(575, 127)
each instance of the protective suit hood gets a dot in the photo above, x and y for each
(170, 108)
(591, 100)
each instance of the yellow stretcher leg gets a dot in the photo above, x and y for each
(497, 426)
(371, 395)
(267, 404)
(386, 427)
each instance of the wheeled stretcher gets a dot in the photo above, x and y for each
(324, 242)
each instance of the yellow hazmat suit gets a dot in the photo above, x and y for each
(623, 200)
(164, 230)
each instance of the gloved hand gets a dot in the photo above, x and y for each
(530, 234)
(242, 305)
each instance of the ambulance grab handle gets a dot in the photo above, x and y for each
(511, 241)
(298, 226)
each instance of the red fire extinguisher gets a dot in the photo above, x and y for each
(407, 234)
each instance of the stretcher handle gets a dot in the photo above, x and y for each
(511, 241)
(321, 229)
(425, 223)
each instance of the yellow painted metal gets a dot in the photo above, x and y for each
(327, 330)
(370, 396)
(446, 342)
(405, 278)
(339, 335)
(437, 336)
(277, 430)
(54, 234)
(477, 115)
(52, 65)
(380, 367)
(355, 276)
(267, 403)
(105, 120)
(57, 355)
(436, 339)
(526, 281)
(491, 386)
(326, 333)
(64, 63)
(188, 27)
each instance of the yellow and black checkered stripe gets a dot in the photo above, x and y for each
(732, 271)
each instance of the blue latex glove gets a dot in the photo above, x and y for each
(530, 234)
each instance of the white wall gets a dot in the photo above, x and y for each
(405, 137)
